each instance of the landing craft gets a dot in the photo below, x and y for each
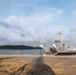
(59, 48)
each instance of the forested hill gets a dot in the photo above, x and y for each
(18, 47)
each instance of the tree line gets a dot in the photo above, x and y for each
(18, 47)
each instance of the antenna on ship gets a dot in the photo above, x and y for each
(60, 35)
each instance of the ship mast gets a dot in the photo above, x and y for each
(60, 35)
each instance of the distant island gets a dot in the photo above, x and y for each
(18, 47)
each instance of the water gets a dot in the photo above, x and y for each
(21, 51)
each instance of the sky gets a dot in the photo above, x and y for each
(35, 22)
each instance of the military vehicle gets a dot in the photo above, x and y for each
(59, 48)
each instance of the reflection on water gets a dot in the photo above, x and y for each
(21, 51)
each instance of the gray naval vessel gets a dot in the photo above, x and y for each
(59, 48)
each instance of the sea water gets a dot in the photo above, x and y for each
(26, 51)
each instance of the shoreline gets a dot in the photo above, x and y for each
(24, 55)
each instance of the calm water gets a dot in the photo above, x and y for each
(21, 51)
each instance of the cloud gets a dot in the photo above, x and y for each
(33, 29)
(27, 27)
(74, 12)
(71, 37)
(34, 22)
(59, 11)
(4, 24)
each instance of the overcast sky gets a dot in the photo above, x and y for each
(35, 22)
